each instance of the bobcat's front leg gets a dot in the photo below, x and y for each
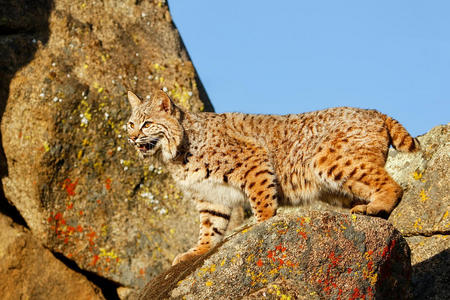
(214, 220)
(260, 186)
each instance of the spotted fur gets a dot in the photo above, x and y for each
(222, 160)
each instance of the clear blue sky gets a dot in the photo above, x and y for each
(295, 56)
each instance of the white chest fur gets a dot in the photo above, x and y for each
(214, 192)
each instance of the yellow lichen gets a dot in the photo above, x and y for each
(104, 230)
(209, 283)
(203, 271)
(110, 254)
(274, 289)
(213, 268)
(223, 262)
(127, 163)
(417, 224)
(273, 271)
(417, 175)
(105, 57)
(46, 147)
(423, 196)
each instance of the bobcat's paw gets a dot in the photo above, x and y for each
(378, 210)
(359, 209)
(184, 257)
(371, 209)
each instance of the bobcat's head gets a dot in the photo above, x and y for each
(154, 125)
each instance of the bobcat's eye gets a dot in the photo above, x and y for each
(131, 125)
(147, 124)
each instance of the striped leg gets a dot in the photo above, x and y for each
(261, 189)
(214, 220)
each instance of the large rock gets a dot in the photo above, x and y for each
(314, 255)
(424, 209)
(70, 172)
(423, 214)
(29, 271)
(21, 23)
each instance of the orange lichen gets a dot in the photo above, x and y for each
(70, 186)
(94, 260)
(108, 183)
(259, 263)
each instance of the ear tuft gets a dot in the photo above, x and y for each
(134, 100)
(163, 102)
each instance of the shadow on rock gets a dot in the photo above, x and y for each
(23, 26)
(431, 277)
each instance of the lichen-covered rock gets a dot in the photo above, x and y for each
(423, 214)
(424, 209)
(314, 255)
(29, 271)
(79, 186)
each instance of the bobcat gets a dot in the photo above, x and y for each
(222, 159)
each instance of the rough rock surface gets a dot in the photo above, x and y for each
(21, 21)
(424, 177)
(423, 214)
(332, 255)
(29, 271)
(70, 173)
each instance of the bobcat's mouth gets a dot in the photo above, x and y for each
(145, 147)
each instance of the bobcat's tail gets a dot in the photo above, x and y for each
(400, 138)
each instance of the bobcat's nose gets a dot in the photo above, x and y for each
(132, 139)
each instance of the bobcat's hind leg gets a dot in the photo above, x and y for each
(362, 175)
(214, 220)
(375, 185)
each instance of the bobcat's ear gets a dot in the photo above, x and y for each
(134, 100)
(162, 101)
